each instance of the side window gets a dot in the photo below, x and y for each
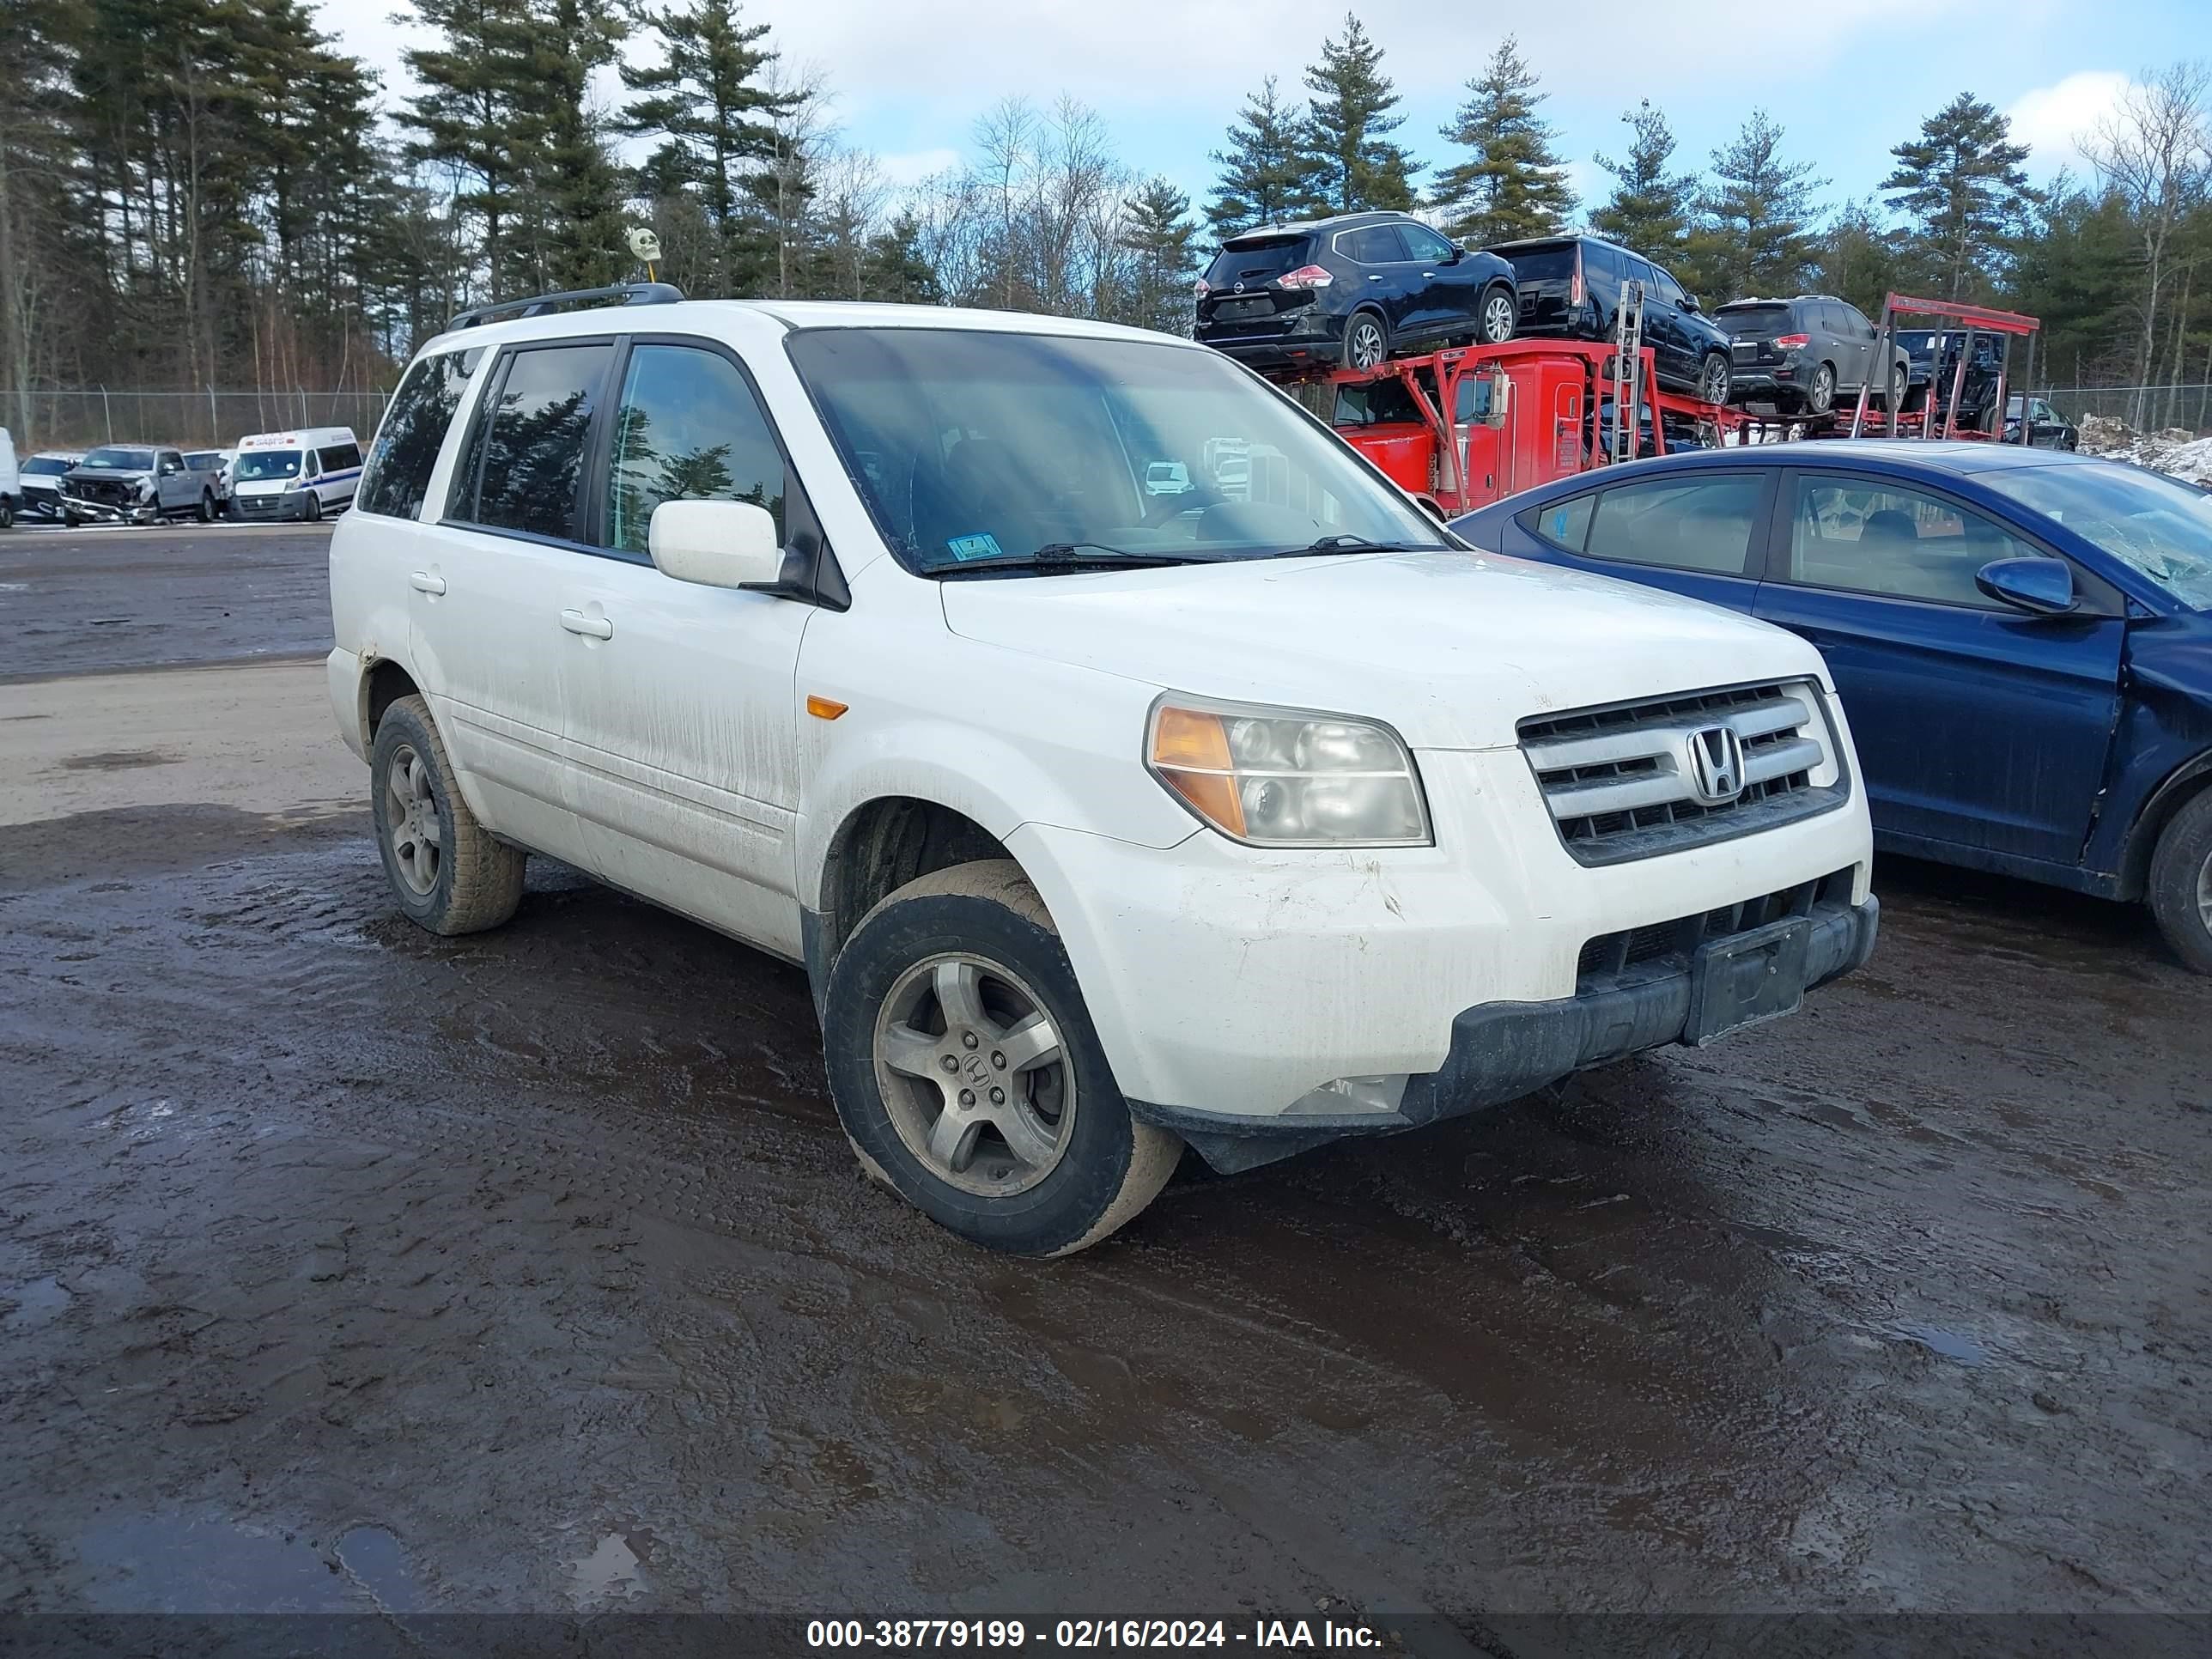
(529, 450)
(689, 427)
(1869, 537)
(1855, 323)
(405, 449)
(1669, 289)
(169, 461)
(1563, 523)
(310, 466)
(1377, 244)
(1640, 272)
(1696, 523)
(1601, 264)
(343, 459)
(1425, 244)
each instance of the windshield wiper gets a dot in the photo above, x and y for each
(1065, 555)
(1343, 544)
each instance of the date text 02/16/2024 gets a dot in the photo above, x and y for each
(1079, 1635)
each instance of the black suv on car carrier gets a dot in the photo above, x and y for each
(1350, 292)
(1571, 286)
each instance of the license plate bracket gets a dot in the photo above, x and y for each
(1746, 979)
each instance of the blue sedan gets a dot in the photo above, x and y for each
(2022, 638)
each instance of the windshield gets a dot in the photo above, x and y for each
(1254, 262)
(2144, 520)
(122, 460)
(977, 445)
(266, 464)
(204, 461)
(47, 463)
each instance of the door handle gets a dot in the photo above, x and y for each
(1428, 275)
(597, 628)
(1374, 276)
(423, 582)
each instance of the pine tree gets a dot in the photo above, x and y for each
(476, 98)
(895, 267)
(1515, 184)
(1650, 208)
(1861, 259)
(1266, 172)
(1348, 121)
(1962, 184)
(712, 106)
(1157, 232)
(1751, 236)
(2073, 268)
(576, 194)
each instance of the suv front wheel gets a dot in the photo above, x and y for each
(1499, 315)
(967, 1077)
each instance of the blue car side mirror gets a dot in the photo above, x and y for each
(2042, 587)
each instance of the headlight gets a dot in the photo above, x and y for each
(1288, 777)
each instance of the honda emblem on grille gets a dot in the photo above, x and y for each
(1716, 757)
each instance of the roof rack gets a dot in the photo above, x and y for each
(629, 293)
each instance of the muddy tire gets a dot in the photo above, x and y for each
(2180, 892)
(448, 872)
(967, 1073)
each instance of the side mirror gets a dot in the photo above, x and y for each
(1690, 304)
(1501, 400)
(716, 544)
(2042, 587)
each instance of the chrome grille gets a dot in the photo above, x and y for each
(1622, 782)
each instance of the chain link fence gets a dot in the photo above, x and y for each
(2186, 404)
(78, 417)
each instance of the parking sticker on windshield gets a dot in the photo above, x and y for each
(973, 547)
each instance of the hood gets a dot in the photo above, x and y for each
(1452, 648)
(110, 474)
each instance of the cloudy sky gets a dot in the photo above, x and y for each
(1847, 78)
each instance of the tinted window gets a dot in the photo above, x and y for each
(1877, 538)
(532, 443)
(1669, 289)
(1753, 322)
(406, 446)
(1425, 244)
(1600, 262)
(1564, 522)
(1377, 244)
(47, 465)
(688, 428)
(173, 461)
(1640, 272)
(1256, 261)
(1376, 403)
(314, 465)
(1699, 524)
(1553, 261)
(341, 458)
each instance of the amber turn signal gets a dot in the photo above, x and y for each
(824, 708)
(1190, 753)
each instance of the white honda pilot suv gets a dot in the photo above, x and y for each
(1129, 765)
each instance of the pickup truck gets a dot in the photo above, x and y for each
(135, 484)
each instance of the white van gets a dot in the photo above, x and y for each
(302, 474)
(11, 482)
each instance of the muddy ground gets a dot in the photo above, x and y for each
(345, 1267)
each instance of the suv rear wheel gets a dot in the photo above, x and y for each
(967, 1077)
(449, 873)
(1713, 378)
(1366, 341)
(2180, 892)
(1499, 315)
(1821, 396)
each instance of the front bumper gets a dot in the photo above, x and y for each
(291, 504)
(109, 513)
(1504, 1050)
(1237, 980)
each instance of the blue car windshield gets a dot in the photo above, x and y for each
(2150, 523)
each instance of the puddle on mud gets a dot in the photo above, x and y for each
(377, 1563)
(36, 1302)
(169, 1564)
(1948, 1345)
(610, 1572)
(118, 760)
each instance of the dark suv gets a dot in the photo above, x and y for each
(1571, 286)
(1934, 353)
(1350, 292)
(1800, 353)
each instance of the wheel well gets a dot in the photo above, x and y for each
(882, 847)
(387, 683)
(2142, 840)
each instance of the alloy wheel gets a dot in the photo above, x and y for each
(973, 1075)
(2204, 892)
(1365, 346)
(1497, 320)
(410, 818)
(1716, 380)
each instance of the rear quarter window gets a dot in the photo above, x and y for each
(405, 450)
(1564, 524)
